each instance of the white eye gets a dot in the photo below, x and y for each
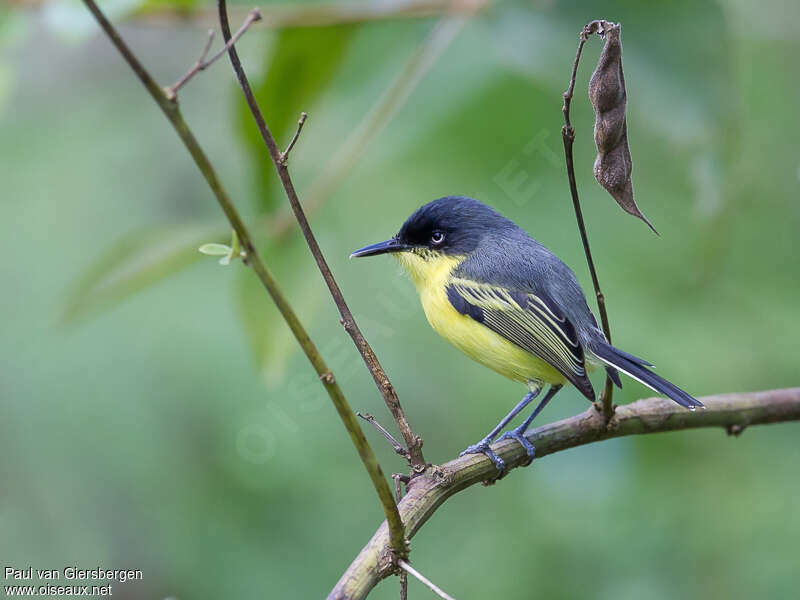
(437, 237)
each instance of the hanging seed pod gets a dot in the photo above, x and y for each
(613, 166)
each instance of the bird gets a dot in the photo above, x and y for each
(509, 303)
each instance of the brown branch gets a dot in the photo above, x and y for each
(201, 64)
(413, 442)
(313, 14)
(252, 259)
(568, 136)
(429, 491)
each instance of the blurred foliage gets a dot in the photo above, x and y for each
(147, 437)
(301, 63)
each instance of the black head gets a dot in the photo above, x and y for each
(453, 225)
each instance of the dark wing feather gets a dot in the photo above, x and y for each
(531, 321)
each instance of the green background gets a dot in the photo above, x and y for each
(156, 415)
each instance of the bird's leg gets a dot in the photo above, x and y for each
(483, 445)
(518, 433)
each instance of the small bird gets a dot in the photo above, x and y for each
(509, 303)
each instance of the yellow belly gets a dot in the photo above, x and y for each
(475, 340)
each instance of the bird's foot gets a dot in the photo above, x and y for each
(517, 434)
(482, 447)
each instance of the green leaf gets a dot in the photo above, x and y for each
(215, 249)
(301, 64)
(134, 263)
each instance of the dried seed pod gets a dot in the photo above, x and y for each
(613, 166)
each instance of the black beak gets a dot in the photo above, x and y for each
(392, 245)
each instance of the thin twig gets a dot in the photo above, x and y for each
(413, 442)
(172, 112)
(432, 586)
(431, 490)
(389, 437)
(568, 136)
(172, 90)
(285, 154)
(399, 479)
(201, 64)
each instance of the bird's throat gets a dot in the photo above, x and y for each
(428, 269)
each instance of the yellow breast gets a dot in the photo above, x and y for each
(431, 273)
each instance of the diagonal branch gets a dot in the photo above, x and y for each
(252, 259)
(427, 493)
(425, 581)
(389, 437)
(413, 442)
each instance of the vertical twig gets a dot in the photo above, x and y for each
(171, 111)
(413, 442)
(398, 495)
(568, 136)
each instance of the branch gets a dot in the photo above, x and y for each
(413, 442)
(316, 14)
(568, 136)
(252, 259)
(201, 64)
(429, 491)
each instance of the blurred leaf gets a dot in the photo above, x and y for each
(70, 19)
(134, 263)
(179, 6)
(271, 341)
(301, 64)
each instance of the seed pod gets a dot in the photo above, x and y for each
(613, 166)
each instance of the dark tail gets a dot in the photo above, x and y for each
(637, 369)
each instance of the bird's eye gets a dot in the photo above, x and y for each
(437, 237)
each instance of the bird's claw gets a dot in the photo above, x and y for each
(516, 434)
(483, 447)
